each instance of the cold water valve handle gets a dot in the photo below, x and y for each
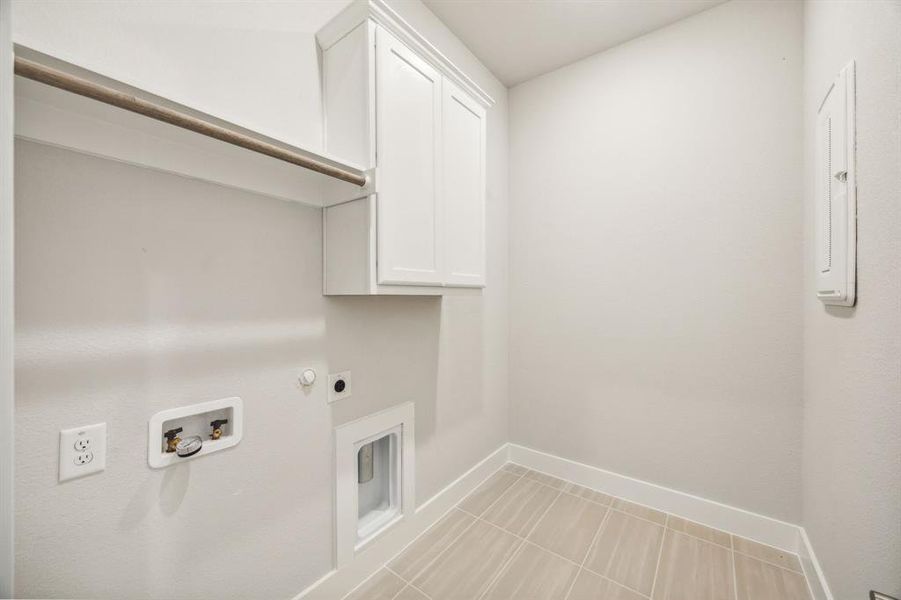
(217, 428)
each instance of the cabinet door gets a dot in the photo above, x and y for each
(463, 187)
(408, 106)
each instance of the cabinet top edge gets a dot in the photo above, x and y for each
(380, 13)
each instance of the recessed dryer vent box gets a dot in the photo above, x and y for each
(194, 420)
(374, 471)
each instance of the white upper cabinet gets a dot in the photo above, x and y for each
(463, 187)
(408, 134)
(396, 104)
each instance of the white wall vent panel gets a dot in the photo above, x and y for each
(836, 193)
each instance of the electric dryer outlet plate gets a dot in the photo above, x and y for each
(339, 386)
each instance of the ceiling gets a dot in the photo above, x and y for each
(521, 39)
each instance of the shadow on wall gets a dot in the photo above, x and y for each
(136, 351)
(391, 347)
(426, 350)
(420, 349)
(842, 312)
(138, 291)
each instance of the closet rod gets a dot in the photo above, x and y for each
(83, 87)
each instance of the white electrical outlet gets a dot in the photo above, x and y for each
(82, 451)
(338, 386)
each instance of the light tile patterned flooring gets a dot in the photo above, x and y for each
(525, 535)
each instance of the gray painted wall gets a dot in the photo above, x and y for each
(7, 284)
(852, 356)
(139, 291)
(655, 264)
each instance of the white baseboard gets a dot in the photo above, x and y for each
(819, 589)
(337, 583)
(766, 530)
(707, 512)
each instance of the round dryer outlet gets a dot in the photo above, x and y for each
(339, 386)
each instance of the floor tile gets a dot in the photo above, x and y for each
(534, 573)
(557, 484)
(462, 557)
(569, 526)
(469, 565)
(626, 551)
(488, 492)
(515, 469)
(758, 580)
(569, 488)
(384, 585)
(774, 556)
(699, 531)
(430, 544)
(692, 568)
(589, 586)
(411, 593)
(588, 494)
(638, 510)
(521, 507)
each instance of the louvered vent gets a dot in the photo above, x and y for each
(836, 194)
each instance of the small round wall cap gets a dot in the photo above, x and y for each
(307, 377)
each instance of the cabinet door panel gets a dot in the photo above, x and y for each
(463, 188)
(408, 104)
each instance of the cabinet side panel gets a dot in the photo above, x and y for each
(348, 252)
(345, 69)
